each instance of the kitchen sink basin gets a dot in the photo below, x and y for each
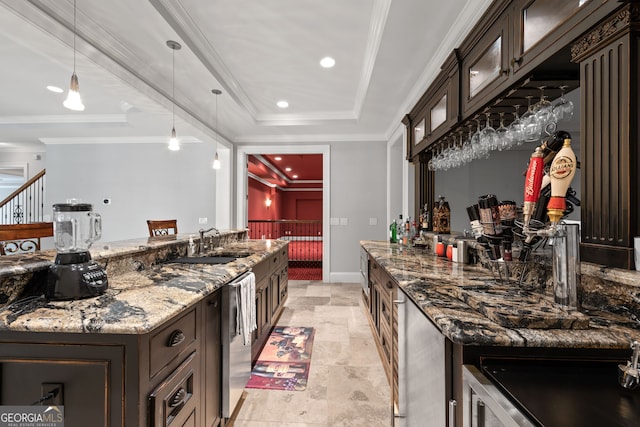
(205, 260)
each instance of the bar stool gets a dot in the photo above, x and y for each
(162, 227)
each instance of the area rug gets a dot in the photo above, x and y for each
(284, 361)
(305, 273)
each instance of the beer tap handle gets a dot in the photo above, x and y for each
(562, 171)
(532, 184)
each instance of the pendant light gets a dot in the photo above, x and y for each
(216, 160)
(73, 101)
(174, 144)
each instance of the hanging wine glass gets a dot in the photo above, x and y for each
(544, 113)
(531, 129)
(515, 128)
(467, 149)
(503, 135)
(563, 110)
(489, 137)
(476, 144)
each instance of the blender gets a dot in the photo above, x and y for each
(75, 275)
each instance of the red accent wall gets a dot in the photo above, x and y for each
(284, 205)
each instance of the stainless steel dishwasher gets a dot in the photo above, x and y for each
(422, 398)
(236, 353)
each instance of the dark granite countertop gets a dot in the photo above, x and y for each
(471, 308)
(144, 290)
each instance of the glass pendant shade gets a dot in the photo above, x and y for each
(174, 144)
(73, 101)
(216, 162)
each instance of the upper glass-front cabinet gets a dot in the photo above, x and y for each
(486, 69)
(419, 132)
(438, 113)
(540, 17)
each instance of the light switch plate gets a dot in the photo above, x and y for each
(203, 221)
(373, 221)
(334, 221)
(344, 221)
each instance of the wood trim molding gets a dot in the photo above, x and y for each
(610, 28)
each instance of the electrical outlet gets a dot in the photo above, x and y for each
(57, 393)
(373, 221)
(203, 221)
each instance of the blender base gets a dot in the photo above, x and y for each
(75, 276)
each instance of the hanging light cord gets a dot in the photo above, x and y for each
(74, 36)
(173, 86)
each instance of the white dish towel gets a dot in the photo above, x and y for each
(246, 314)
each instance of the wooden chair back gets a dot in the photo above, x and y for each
(162, 227)
(23, 238)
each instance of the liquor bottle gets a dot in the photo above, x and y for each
(393, 232)
(442, 217)
(400, 230)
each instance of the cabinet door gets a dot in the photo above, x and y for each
(92, 378)
(275, 293)
(540, 24)
(485, 69)
(212, 361)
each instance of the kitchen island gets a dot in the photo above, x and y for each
(148, 350)
(471, 318)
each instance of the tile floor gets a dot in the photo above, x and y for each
(347, 384)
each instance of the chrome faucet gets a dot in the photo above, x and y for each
(201, 245)
(628, 375)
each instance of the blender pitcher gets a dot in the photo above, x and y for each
(75, 227)
(74, 274)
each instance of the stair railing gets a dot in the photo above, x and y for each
(26, 204)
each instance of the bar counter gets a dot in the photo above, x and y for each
(470, 307)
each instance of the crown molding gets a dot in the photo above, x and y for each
(117, 140)
(259, 139)
(63, 119)
(376, 31)
(464, 23)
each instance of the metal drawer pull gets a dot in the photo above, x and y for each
(176, 338)
(178, 398)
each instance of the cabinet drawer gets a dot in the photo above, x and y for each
(170, 341)
(174, 401)
(261, 270)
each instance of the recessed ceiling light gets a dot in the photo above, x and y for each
(282, 104)
(287, 169)
(55, 89)
(327, 62)
(295, 176)
(278, 158)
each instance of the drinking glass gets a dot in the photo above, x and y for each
(503, 135)
(544, 113)
(467, 149)
(489, 138)
(531, 129)
(563, 110)
(515, 128)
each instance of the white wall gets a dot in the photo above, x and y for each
(143, 181)
(32, 161)
(358, 193)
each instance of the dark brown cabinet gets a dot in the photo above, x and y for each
(485, 68)
(384, 319)
(271, 293)
(169, 376)
(518, 46)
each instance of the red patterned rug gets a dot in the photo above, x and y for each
(284, 361)
(305, 273)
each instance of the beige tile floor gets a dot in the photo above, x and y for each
(347, 385)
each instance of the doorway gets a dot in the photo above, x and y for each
(273, 203)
